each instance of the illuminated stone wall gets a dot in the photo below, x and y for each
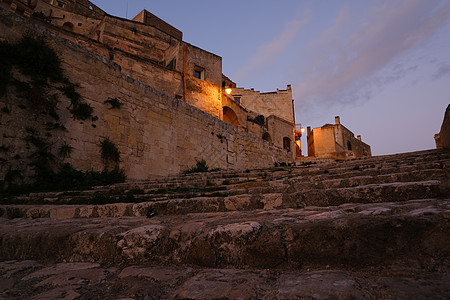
(277, 103)
(152, 52)
(155, 133)
(335, 141)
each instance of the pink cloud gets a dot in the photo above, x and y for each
(267, 54)
(341, 60)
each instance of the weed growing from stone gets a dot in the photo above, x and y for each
(200, 166)
(109, 152)
(65, 150)
(114, 102)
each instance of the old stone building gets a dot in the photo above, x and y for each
(442, 138)
(335, 141)
(157, 135)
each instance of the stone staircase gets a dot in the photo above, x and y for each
(367, 229)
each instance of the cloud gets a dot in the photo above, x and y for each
(267, 54)
(341, 62)
(443, 70)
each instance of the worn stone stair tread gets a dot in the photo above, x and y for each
(356, 235)
(69, 280)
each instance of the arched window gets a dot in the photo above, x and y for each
(266, 136)
(349, 146)
(287, 143)
(230, 116)
(68, 26)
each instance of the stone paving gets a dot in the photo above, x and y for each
(375, 228)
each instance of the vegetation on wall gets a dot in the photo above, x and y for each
(200, 166)
(67, 178)
(65, 150)
(114, 102)
(34, 70)
(39, 62)
(109, 152)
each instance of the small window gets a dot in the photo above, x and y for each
(90, 7)
(199, 73)
(287, 144)
(238, 100)
(349, 146)
(61, 4)
(79, 24)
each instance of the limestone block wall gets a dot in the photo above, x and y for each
(145, 70)
(81, 24)
(332, 141)
(279, 131)
(277, 103)
(211, 63)
(345, 138)
(323, 140)
(155, 133)
(144, 51)
(237, 116)
(148, 18)
(137, 38)
(131, 36)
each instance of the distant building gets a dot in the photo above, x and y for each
(442, 138)
(335, 141)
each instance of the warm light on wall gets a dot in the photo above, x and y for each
(228, 91)
(302, 130)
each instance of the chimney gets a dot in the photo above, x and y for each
(358, 137)
(337, 120)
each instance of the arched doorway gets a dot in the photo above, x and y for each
(230, 116)
(68, 26)
(287, 143)
(266, 136)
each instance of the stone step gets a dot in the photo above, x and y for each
(243, 186)
(346, 236)
(277, 196)
(325, 182)
(73, 280)
(370, 193)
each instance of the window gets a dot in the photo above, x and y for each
(61, 4)
(266, 136)
(287, 144)
(349, 146)
(237, 99)
(199, 73)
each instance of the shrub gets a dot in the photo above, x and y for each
(114, 102)
(65, 150)
(109, 151)
(200, 166)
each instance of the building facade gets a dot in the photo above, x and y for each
(176, 107)
(335, 141)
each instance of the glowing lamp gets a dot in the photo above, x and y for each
(302, 130)
(228, 91)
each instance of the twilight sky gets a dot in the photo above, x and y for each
(382, 66)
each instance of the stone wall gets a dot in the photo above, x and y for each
(443, 137)
(155, 133)
(281, 133)
(151, 52)
(277, 103)
(335, 141)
